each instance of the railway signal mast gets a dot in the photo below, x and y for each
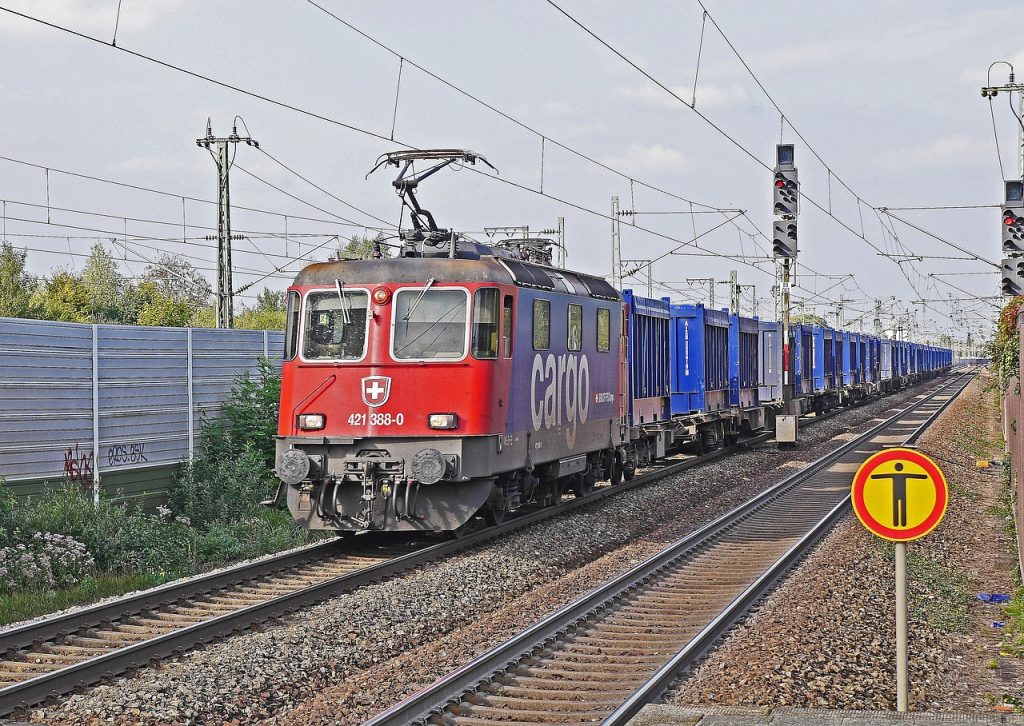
(1013, 239)
(786, 191)
(1013, 200)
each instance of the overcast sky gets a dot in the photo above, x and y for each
(886, 93)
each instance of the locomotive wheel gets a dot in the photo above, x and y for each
(494, 513)
(582, 485)
(615, 475)
(629, 471)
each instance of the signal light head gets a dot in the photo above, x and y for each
(1008, 218)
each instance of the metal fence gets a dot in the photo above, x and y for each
(111, 405)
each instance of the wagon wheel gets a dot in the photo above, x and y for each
(555, 492)
(494, 513)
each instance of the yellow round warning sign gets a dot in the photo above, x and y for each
(899, 494)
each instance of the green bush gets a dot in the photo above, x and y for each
(210, 492)
(122, 538)
(220, 492)
(248, 419)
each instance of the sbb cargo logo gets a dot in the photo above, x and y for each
(560, 392)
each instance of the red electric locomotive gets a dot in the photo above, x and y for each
(421, 389)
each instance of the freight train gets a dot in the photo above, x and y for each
(460, 379)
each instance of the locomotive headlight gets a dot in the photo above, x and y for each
(381, 295)
(312, 421)
(442, 420)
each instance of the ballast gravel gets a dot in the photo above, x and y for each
(826, 637)
(341, 660)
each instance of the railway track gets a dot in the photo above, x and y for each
(51, 657)
(619, 647)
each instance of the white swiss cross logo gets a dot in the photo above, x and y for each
(376, 390)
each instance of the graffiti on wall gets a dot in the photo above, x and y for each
(126, 454)
(79, 466)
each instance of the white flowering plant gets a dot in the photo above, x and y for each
(45, 562)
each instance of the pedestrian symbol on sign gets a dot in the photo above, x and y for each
(899, 493)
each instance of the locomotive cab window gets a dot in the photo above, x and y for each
(291, 335)
(430, 324)
(575, 332)
(604, 330)
(335, 325)
(541, 324)
(485, 323)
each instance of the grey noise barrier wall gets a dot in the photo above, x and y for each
(113, 407)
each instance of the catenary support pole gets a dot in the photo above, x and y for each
(616, 250)
(218, 148)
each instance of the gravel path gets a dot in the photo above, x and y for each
(338, 659)
(825, 639)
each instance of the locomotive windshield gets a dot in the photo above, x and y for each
(430, 324)
(335, 326)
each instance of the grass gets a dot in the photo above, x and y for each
(29, 604)
(959, 490)
(939, 594)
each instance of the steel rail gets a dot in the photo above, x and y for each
(450, 689)
(38, 689)
(35, 690)
(694, 650)
(39, 631)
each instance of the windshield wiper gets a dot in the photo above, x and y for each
(346, 318)
(416, 302)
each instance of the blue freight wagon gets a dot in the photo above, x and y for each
(743, 371)
(648, 356)
(700, 362)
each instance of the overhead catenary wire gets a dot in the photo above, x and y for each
(320, 188)
(730, 138)
(371, 133)
(505, 115)
(177, 195)
(306, 112)
(190, 241)
(357, 129)
(955, 246)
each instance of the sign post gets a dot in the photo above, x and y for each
(900, 495)
(902, 665)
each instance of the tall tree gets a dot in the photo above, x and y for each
(106, 287)
(16, 284)
(268, 313)
(361, 248)
(158, 308)
(178, 279)
(63, 297)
